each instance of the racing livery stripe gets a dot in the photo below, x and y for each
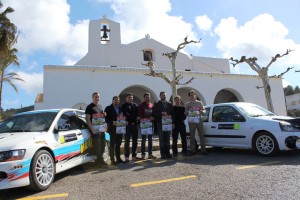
(19, 177)
(19, 171)
(67, 156)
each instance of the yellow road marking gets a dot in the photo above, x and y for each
(45, 197)
(140, 161)
(158, 162)
(162, 181)
(257, 165)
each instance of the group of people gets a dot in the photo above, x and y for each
(170, 121)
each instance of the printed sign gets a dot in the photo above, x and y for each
(166, 122)
(121, 125)
(194, 115)
(146, 126)
(98, 122)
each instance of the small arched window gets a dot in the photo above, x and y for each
(148, 55)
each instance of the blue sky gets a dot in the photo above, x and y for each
(54, 32)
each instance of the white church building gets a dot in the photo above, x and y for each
(115, 69)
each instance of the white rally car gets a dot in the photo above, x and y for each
(36, 145)
(247, 125)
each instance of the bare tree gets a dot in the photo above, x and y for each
(263, 73)
(176, 77)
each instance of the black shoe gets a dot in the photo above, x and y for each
(163, 157)
(113, 162)
(169, 156)
(151, 157)
(101, 163)
(120, 161)
(174, 154)
(204, 153)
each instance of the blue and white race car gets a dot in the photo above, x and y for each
(36, 145)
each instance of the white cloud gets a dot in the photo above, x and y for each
(45, 25)
(262, 37)
(156, 21)
(33, 82)
(12, 103)
(204, 23)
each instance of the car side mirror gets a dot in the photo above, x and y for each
(56, 129)
(238, 118)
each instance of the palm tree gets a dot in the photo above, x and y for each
(10, 77)
(8, 31)
(8, 37)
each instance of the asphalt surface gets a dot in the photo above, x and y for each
(223, 174)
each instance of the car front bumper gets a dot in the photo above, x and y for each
(14, 173)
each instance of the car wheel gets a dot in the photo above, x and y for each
(265, 144)
(42, 171)
(106, 155)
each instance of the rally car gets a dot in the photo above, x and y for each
(247, 125)
(36, 145)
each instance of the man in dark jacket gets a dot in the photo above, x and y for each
(112, 112)
(163, 114)
(130, 110)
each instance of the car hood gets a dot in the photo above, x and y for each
(9, 141)
(294, 121)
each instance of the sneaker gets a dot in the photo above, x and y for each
(126, 159)
(151, 157)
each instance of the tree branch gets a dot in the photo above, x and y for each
(278, 56)
(280, 75)
(151, 66)
(189, 81)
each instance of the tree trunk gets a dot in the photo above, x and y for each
(267, 89)
(1, 86)
(174, 91)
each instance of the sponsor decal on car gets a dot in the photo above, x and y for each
(229, 126)
(68, 138)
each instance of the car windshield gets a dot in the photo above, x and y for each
(28, 122)
(253, 110)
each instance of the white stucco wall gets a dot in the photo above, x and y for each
(75, 85)
(72, 86)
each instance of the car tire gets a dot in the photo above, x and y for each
(42, 171)
(106, 154)
(265, 144)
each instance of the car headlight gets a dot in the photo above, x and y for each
(12, 155)
(287, 127)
